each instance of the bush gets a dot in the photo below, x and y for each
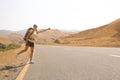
(11, 46)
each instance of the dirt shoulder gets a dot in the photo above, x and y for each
(9, 65)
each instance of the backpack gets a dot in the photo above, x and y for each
(26, 34)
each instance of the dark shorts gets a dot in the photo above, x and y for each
(30, 44)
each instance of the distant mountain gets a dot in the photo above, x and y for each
(5, 31)
(71, 31)
(44, 37)
(107, 35)
(22, 32)
(51, 36)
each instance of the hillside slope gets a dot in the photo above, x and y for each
(107, 35)
(50, 36)
(7, 39)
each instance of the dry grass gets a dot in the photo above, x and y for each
(10, 38)
(50, 36)
(107, 35)
(9, 66)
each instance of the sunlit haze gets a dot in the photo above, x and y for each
(57, 14)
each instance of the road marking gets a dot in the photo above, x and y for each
(115, 56)
(23, 71)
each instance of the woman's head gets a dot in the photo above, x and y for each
(35, 26)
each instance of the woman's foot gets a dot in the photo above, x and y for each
(17, 56)
(31, 62)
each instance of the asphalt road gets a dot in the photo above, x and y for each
(74, 63)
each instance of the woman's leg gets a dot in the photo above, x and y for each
(24, 50)
(31, 54)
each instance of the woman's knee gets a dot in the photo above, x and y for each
(26, 49)
(32, 49)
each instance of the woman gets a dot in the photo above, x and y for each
(29, 38)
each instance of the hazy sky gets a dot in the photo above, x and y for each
(60, 14)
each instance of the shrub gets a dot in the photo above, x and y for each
(11, 46)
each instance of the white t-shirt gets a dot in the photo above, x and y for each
(34, 35)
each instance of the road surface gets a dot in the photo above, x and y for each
(74, 63)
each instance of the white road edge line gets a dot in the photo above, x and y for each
(115, 56)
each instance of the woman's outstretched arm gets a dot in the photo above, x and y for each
(43, 30)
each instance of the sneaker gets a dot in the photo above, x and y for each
(16, 56)
(31, 62)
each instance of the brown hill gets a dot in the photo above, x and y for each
(107, 35)
(7, 39)
(50, 36)
(44, 37)
(15, 38)
(4, 40)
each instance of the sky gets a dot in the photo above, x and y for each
(57, 14)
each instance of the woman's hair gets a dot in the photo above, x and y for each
(34, 25)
